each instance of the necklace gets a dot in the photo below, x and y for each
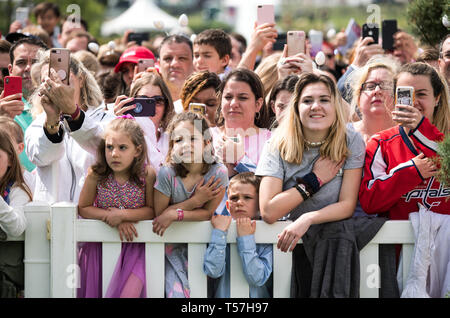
(314, 144)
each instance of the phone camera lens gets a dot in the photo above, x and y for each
(138, 108)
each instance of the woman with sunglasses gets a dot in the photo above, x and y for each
(151, 85)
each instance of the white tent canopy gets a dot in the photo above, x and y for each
(139, 18)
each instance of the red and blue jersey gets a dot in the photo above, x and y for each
(392, 183)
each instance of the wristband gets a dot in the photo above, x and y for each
(180, 214)
(312, 181)
(76, 113)
(302, 190)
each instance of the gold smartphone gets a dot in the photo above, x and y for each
(60, 62)
(197, 108)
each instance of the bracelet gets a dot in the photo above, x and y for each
(52, 127)
(180, 214)
(76, 113)
(302, 190)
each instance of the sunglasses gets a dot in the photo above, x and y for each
(159, 100)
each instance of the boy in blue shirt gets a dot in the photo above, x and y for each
(257, 260)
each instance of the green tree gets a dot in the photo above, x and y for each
(425, 17)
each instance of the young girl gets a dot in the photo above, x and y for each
(14, 195)
(16, 133)
(119, 191)
(189, 187)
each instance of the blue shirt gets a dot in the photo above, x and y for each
(257, 261)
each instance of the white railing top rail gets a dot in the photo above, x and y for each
(68, 229)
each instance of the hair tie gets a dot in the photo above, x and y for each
(127, 116)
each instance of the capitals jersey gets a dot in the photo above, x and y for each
(391, 181)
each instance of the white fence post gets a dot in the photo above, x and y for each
(197, 279)
(154, 263)
(370, 275)
(63, 250)
(282, 271)
(37, 251)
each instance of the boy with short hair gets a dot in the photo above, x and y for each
(212, 52)
(243, 205)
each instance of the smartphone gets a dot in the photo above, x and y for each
(143, 64)
(59, 61)
(404, 95)
(265, 14)
(145, 107)
(197, 108)
(316, 40)
(12, 85)
(389, 28)
(372, 32)
(138, 37)
(280, 42)
(295, 42)
(22, 14)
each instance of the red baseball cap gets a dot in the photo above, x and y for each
(132, 55)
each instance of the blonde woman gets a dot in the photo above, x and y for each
(373, 96)
(67, 127)
(301, 164)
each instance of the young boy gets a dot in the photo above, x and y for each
(256, 259)
(212, 52)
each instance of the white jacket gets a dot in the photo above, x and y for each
(429, 273)
(12, 217)
(62, 167)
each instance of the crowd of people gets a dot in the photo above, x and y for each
(276, 138)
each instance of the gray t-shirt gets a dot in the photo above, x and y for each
(272, 165)
(171, 185)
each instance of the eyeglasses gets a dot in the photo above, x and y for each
(371, 86)
(5, 71)
(159, 100)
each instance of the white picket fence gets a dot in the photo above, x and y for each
(51, 263)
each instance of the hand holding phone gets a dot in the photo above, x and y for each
(145, 107)
(371, 31)
(11, 103)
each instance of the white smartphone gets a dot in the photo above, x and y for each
(295, 42)
(316, 39)
(22, 14)
(404, 95)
